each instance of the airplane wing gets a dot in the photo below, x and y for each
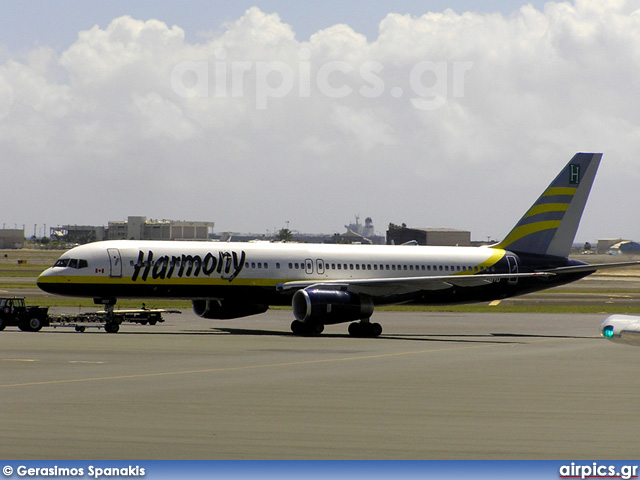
(402, 285)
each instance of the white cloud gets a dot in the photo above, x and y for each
(444, 120)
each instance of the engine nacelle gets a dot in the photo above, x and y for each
(221, 310)
(330, 306)
(622, 329)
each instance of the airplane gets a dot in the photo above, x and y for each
(330, 284)
(621, 329)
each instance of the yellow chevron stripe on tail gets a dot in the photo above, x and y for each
(550, 225)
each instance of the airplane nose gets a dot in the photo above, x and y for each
(44, 280)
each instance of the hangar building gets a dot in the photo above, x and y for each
(12, 238)
(429, 236)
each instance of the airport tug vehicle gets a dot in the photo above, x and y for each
(15, 313)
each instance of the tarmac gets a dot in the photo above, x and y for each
(433, 386)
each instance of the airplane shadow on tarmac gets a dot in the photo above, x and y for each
(426, 337)
(511, 338)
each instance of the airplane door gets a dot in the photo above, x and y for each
(308, 266)
(320, 266)
(513, 268)
(115, 262)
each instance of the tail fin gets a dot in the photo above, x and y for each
(549, 226)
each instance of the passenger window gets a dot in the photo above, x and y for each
(290, 265)
(277, 265)
(266, 265)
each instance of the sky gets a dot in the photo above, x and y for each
(261, 115)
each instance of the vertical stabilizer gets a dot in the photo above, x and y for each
(550, 225)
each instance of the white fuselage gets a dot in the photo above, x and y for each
(135, 264)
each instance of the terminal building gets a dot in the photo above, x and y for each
(135, 228)
(139, 228)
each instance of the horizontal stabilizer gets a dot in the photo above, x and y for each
(591, 268)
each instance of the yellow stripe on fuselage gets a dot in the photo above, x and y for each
(76, 279)
(496, 255)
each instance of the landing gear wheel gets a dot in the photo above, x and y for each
(306, 329)
(355, 329)
(297, 327)
(111, 327)
(80, 328)
(365, 329)
(376, 329)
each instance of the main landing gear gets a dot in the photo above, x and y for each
(305, 329)
(362, 329)
(365, 329)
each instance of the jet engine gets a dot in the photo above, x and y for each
(622, 329)
(224, 310)
(328, 307)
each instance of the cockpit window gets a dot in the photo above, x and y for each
(71, 263)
